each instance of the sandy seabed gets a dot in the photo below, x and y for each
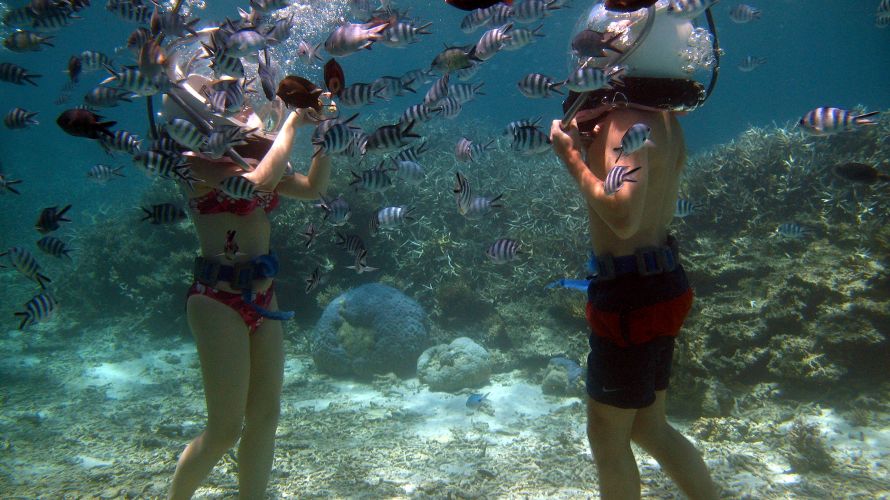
(108, 419)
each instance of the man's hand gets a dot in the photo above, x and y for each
(564, 141)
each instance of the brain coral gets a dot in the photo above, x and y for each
(368, 330)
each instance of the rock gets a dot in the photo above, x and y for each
(370, 330)
(450, 367)
(563, 377)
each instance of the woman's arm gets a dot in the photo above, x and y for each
(268, 173)
(621, 211)
(310, 186)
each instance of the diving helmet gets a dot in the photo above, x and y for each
(655, 44)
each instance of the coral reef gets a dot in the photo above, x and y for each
(450, 367)
(799, 311)
(370, 330)
(808, 450)
(563, 377)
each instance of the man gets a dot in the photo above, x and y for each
(626, 151)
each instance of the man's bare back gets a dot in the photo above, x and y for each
(638, 214)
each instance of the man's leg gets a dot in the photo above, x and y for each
(676, 455)
(609, 432)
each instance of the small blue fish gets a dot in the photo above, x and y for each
(579, 285)
(616, 177)
(475, 401)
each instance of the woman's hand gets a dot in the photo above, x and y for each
(565, 141)
(306, 117)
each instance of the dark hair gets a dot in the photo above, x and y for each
(256, 147)
(665, 93)
(628, 5)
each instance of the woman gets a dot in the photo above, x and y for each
(232, 309)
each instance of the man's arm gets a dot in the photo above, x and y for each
(621, 211)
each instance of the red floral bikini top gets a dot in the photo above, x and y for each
(217, 201)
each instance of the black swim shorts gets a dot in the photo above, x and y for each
(627, 377)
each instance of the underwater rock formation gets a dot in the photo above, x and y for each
(563, 377)
(370, 330)
(450, 367)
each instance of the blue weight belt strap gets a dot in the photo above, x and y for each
(240, 277)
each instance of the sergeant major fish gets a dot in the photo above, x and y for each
(350, 38)
(26, 264)
(50, 217)
(616, 178)
(634, 139)
(40, 308)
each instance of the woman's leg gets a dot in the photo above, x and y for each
(263, 406)
(224, 350)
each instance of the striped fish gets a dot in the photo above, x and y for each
(463, 195)
(743, 13)
(133, 80)
(684, 208)
(313, 280)
(450, 106)
(49, 218)
(19, 118)
(336, 211)
(350, 38)
(104, 173)
(589, 78)
(185, 133)
(525, 122)
(157, 163)
(634, 138)
(500, 14)
(308, 53)
(122, 141)
(530, 11)
(16, 74)
(390, 217)
(225, 65)
(390, 137)
(616, 178)
(26, 264)
(538, 86)
(414, 78)
(468, 72)
(409, 171)
(335, 140)
(310, 233)
(828, 121)
(238, 187)
(750, 63)
(688, 8)
(227, 97)
(361, 265)
(503, 250)
(882, 15)
(53, 246)
(52, 21)
(92, 60)
(475, 20)
(375, 180)
(20, 17)
(481, 205)
(419, 113)
(493, 41)
(358, 94)
(438, 91)
(465, 92)
(413, 153)
(163, 213)
(40, 308)
(530, 140)
(462, 150)
(106, 97)
(26, 41)
(131, 11)
(6, 185)
(401, 34)
(391, 86)
(520, 37)
(352, 243)
(791, 230)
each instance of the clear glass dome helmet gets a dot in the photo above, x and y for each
(650, 42)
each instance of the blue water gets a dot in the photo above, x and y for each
(819, 52)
